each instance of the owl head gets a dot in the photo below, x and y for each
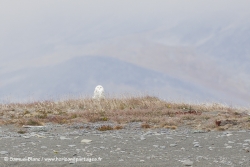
(99, 92)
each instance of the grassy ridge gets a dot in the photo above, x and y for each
(151, 111)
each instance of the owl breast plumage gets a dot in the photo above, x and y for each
(99, 92)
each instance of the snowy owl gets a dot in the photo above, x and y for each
(99, 92)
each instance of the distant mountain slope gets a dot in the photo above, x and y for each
(80, 75)
(212, 53)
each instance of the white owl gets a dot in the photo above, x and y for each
(99, 92)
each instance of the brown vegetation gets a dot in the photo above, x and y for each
(105, 128)
(151, 111)
(145, 125)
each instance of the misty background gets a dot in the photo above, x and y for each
(196, 51)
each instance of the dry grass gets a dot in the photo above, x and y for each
(21, 131)
(105, 128)
(118, 127)
(152, 111)
(145, 125)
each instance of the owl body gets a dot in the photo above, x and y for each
(99, 92)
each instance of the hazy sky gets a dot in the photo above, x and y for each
(31, 30)
(37, 33)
